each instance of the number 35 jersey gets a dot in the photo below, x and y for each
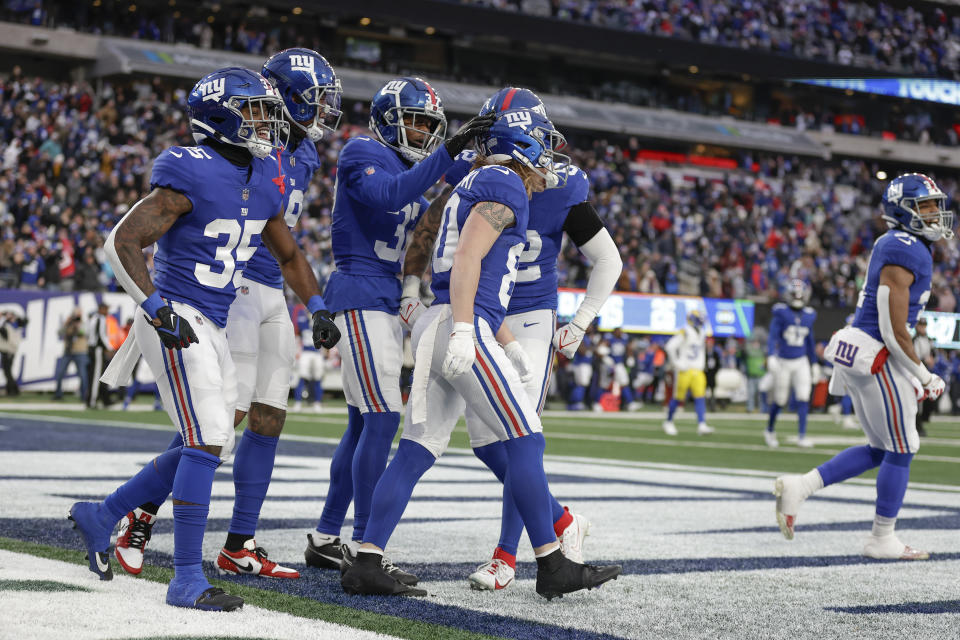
(373, 211)
(199, 260)
(498, 269)
(537, 279)
(297, 169)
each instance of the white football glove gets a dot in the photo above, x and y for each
(934, 388)
(567, 339)
(773, 364)
(520, 360)
(461, 351)
(411, 307)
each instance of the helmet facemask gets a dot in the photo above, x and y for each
(262, 126)
(545, 165)
(316, 111)
(418, 132)
(933, 223)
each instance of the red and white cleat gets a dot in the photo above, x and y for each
(252, 560)
(790, 495)
(132, 538)
(496, 574)
(890, 548)
(571, 537)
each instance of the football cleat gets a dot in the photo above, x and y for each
(96, 538)
(395, 572)
(135, 532)
(790, 495)
(890, 548)
(323, 556)
(252, 560)
(805, 442)
(566, 576)
(669, 428)
(495, 574)
(571, 538)
(703, 429)
(198, 594)
(850, 423)
(771, 439)
(372, 579)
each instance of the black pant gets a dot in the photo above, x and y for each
(99, 392)
(6, 361)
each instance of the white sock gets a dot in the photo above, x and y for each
(321, 539)
(882, 526)
(373, 551)
(546, 553)
(811, 481)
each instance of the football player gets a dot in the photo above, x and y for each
(311, 364)
(379, 198)
(687, 354)
(619, 347)
(531, 315)
(874, 362)
(209, 208)
(459, 362)
(259, 331)
(791, 350)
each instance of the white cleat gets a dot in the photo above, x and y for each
(669, 428)
(834, 412)
(634, 406)
(297, 407)
(805, 442)
(890, 548)
(494, 575)
(771, 439)
(317, 407)
(790, 495)
(703, 429)
(571, 539)
(850, 423)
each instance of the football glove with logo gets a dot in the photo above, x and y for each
(461, 351)
(411, 307)
(567, 339)
(520, 360)
(934, 388)
(175, 332)
(325, 332)
(472, 128)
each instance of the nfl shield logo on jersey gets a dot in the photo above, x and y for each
(245, 194)
(198, 319)
(245, 290)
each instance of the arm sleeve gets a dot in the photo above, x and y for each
(582, 223)
(607, 267)
(363, 169)
(811, 346)
(890, 338)
(461, 166)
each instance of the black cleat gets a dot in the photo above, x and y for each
(323, 556)
(557, 575)
(370, 579)
(216, 599)
(398, 574)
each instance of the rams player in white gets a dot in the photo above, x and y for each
(687, 354)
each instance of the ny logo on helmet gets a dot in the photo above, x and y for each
(301, 63)
(394, 86)
(895, 191)
(518, 118)
(213, 90)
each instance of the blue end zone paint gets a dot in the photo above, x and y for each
(941, 606)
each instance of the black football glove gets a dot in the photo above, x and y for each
(472, 128)
(175, 332)
(325, 333)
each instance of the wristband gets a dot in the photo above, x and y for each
(315, 303)
(152, 304)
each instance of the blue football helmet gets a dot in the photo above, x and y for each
(406, 114)
(310, 90)
(513, 98)
(901, 207)
(527, 137)
(240, 107)
(798, 293)
(696, 318)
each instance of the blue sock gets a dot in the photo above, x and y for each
(511, 524)
(626, 394)
(393, 491)
(528, 484)
(369, 460)
(175, 443)
(154, 479)
(298, 392)
(672, 408)
(772, 420)
(846, 404)
(850, 463)
(193, 483)
(252, 468)
(578, 394)
(892, 483)
(700, 404)
(317, 391)
(340, 491)
(803, 408)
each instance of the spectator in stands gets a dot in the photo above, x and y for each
(923, 347)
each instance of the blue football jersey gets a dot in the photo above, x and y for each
(297, 170)
(791, 332)
(905, 250)
(303, 322)
(584, 354)
(618, 348)
(374, 209)
(498, 270)
(537, 279)
(199, 260)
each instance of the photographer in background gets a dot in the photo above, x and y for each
(923, 346)
(11, 327)
(74, 336)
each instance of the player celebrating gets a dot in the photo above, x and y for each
(259, 331)
(687, 353)
(790, 351)
(875, 363)
(460, 362)
(208, 209)
(531, 316)
(380, 186)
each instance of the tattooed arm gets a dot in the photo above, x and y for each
(482, 228)
(424, 235)
(143, 225)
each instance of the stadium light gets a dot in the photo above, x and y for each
(297, 11)
(364, 22)
(881, 175)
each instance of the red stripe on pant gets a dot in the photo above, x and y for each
(363, 362)
(181, 401)
(893, 411)
(496, 388)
